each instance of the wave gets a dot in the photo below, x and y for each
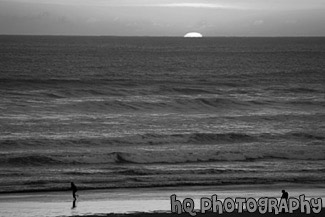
(226, 137)
(164, 84)
(302, 135)
(158, 103)
(187, 89)
(161, 157)
(30, 160)
(48, 80)
(136, 140)
(305, 90)
(165, 139)
(168, 158)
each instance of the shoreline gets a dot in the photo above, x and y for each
(208, 214)
(138, 201)
(189, 186)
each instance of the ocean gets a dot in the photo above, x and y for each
(130, 112)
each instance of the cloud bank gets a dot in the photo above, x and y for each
(163, 17)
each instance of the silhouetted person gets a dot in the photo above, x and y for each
(285, 197)
(74, 191)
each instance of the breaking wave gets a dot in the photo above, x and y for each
(30, 160)
(158, 139)
(162, 157)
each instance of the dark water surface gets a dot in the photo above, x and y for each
(137, 111)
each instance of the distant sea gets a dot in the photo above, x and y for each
(121, 112)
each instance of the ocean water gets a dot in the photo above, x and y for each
(121, 112)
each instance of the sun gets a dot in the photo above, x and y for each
(193, 35)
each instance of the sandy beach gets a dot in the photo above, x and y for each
(137, 202)
(244, 214)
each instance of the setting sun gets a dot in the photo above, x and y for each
(193, 35)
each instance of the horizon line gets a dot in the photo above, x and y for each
(164, 36)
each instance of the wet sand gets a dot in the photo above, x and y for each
(146, 202)
(234, 214)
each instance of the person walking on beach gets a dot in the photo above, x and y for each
(74, 191)
(285, 195)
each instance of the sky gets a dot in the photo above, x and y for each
(163, 17)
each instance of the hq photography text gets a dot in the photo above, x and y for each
(262, 205)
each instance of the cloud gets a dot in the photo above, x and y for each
(212, 4)
(291, 21)
(258, 22)
(129, 3)
(91, 20)
(162, 17)
(189, 5)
